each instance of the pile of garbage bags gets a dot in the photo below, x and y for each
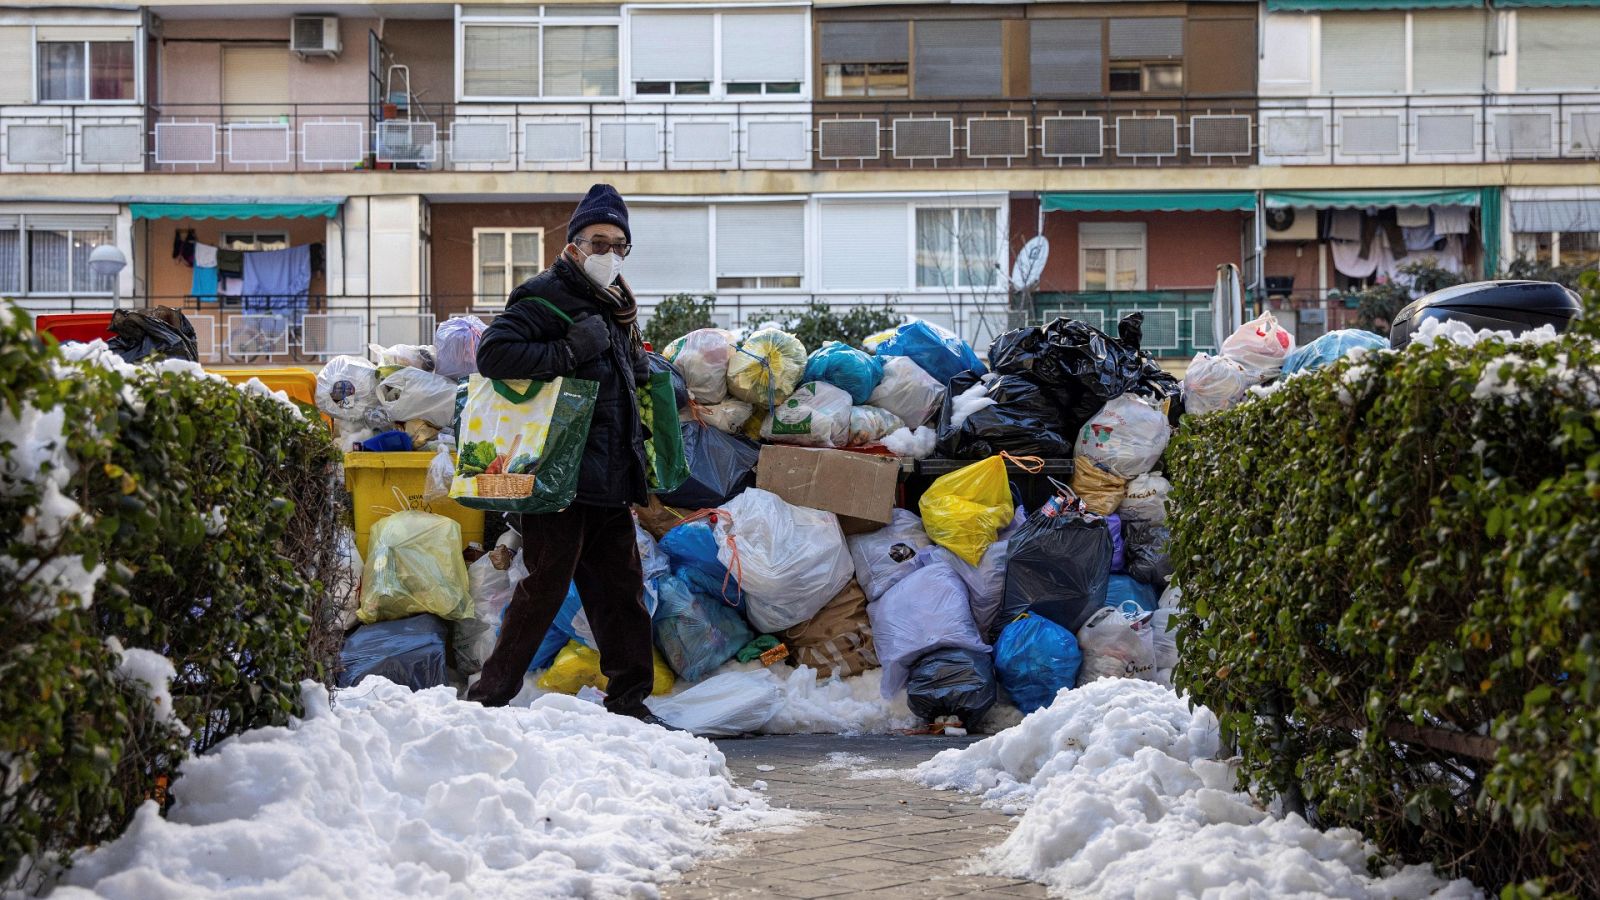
(1259, 351)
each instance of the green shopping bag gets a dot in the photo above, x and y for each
(666, 464)
(521, 443)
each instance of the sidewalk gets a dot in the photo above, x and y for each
(873, 837)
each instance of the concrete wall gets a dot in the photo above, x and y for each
(191, 60)
(1182, 250)
(452, 242)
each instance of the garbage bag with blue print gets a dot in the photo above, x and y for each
(696, 631)
(952, 681)
(1035, 659)
(846, 368)
(692, 550)
(939, 352)
(1330, 348)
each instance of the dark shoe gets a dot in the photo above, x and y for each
(653, 719)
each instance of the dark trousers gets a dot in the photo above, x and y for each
(594, 547)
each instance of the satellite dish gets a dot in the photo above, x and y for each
(1029, 266)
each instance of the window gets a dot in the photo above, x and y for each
(1449, 51)
(763, 53)
(671, 248)
(1559, 248)
(1111, 256)
(45, 254)
(957, 248)
(255, 83)
(760, 245)
(85, 70)
(863, 245)
(865, 59)
(1364, 53)
(506, 257)
(516, 52)
(1065, 56)
(1555, 49)
(254, 240)
(1146, 55)
(675, 54)
(958, 58)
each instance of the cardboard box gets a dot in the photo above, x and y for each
(859, 487)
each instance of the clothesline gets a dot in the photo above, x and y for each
(265, 279)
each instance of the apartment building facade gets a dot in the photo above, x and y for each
(780, 153)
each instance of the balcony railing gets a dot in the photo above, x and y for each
(1186, 131)
(1429, 129)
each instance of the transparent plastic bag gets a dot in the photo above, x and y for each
(728, 705)
(417, 356)
(702, 356)
(455, 346)
(1214, 382)
(474, 638)
(728, 416)
(1146, 500)
(790, 560)
(441, 470)
(414, 566)
(347, 389)
(1126, 437)
(766, 367)
(1113, 648)
(817, 414)
(869, 425)
(1260, 345)
(411, 393)
(907, 391)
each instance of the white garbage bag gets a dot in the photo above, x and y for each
(766, 367)
(817, 414)
(1165, 642)
(474, 638)
(725, 705)
(986, 581)
(1146, 500)
(347, 389)
(702, 358)
(885, 556)
(927, 610)
(790, 560)
(871, 424)
(417, 356)
(1214, 382)
(1260, 345)
(907, 391)
(455, 346)
(728, 416)
(1126, 437)
(1114, 648)
(409, 394)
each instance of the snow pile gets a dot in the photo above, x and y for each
(395, 794)
(36, 455)
(917, 444)
(255, 386)
(1449, 331)
(968, 402)
(1124, 799)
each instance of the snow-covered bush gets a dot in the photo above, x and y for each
(159, 509)
(1391, 566)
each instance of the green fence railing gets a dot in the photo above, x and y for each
(1176, 322)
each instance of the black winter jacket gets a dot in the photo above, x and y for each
(525, 341)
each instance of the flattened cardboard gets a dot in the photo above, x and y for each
(859, 487)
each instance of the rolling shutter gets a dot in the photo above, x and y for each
(672, 248)
(1065, 56)
(255, 81)
(1147, 38)
(755, 239)
(670, 47)
(1449, 51)
(763, 47)
(16, 64)
(1364, 53)
(1556, 49)
(865, 246)
(864, 42)
(957, 58)
(500, 61)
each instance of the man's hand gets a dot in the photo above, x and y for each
(588, 338)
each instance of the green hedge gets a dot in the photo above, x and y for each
(1392, 568)
(211, 515)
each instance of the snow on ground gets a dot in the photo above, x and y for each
(1123, 798)
(395, 794)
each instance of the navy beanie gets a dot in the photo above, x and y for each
(601, 204)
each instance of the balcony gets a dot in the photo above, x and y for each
(98, 137)
(905, 134)
(1488, 128)
(1177, 322)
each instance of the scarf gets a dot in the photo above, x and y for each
(617, 299)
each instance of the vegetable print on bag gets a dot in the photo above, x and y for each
(521, 443)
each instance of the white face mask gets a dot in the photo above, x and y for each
(603, 267)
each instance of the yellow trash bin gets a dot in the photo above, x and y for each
(372, 479)
(299, 384)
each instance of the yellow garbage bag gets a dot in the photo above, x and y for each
(766, 367)
(964, 510)
(414, 565)
(1102, 491)
(870, 342)
(577, 666)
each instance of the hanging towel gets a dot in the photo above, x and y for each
(1347, 258)
(1345, 225)
(1411, 216)
(1451, 220)
(279, 279)
(204, 285)
(1419, 238)
(229, 285)
(205, 256)
(230, 262)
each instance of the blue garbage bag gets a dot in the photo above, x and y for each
(1330, 348)
(1035, 658)
(561, 631)
(407, 651)
(692, 548)
(696, 631)
(940, 355)
(1124, 592)
(846, 368)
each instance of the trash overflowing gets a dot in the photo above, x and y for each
(877, 524)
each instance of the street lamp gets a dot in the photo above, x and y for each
(108, 262)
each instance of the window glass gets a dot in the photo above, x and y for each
(956, 247)
(526, 255)
(1163, 78)
(1125, 78)
(500, 61)
(866, 79)
(83, 278)
(61, 70)
(977, 233)
(1535, 247)
(11, 261)
(492, 265)
(1580, 248)
(580, 61)
(111, 70)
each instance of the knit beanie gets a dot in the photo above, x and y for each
(601, 204)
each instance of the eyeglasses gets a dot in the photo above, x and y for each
(602, 246)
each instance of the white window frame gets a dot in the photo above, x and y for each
(808, 218)
(538, 21)
(138, 41)
(1555, 244)
(254, 241)
(957, 285)
(23, 260)
(719, 86)
(1499, 51)
(509, 263)
(1115, 242)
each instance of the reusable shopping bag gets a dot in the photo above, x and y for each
(521, 443)
(666, 465)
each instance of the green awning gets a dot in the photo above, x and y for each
(1151, 201)
(1364, 199)
(1355, 5)
(324, 210)
(1535, 4)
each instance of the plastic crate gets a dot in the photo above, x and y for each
(372, 479)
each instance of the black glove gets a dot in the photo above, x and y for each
(587, 338)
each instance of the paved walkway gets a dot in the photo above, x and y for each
(874, 837)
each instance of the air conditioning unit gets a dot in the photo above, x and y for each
(1288, 224)
(314, 35)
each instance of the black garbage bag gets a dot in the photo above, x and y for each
(1130, 330)
(407, 651)
(1022, 421)
(1145, 548)
(720, 466)
(1058, 566)
(1082, 366)
(142, 333)
(952, 681)
(680, 391)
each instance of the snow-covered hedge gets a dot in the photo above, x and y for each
(163, 541)
(1393, 567)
